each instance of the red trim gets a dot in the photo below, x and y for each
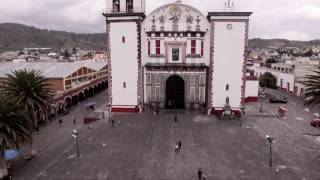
(251, 78)
(251, 99)
(124, 110)
(158, 47)
(193, 46)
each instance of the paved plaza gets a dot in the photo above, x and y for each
(142, 147)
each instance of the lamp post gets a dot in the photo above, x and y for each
(262, 95)
(270, 140)
(75, 136)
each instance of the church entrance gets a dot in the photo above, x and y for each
(175, 93)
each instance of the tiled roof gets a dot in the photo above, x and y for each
(51, 69)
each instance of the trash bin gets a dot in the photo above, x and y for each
(282, 112)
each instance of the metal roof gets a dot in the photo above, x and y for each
(51, 69)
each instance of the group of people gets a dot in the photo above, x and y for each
(178, 147)
(202, 174)
(113, 122)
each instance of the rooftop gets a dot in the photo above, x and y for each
(51, 69)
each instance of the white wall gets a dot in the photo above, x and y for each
(124, 63)
(228, 63)
(286, 77)
(252, 88)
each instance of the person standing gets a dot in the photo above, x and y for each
(74, 120)
(200, 173)
(60, 122)
(179, 145)
(119, 122)
(176, 148)
(204, 175)
(112, 122)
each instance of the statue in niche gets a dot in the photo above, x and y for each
(189, 19)
(162, 19)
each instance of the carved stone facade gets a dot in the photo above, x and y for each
(182, 58)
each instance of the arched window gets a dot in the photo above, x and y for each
(116, 6)
(129, 5)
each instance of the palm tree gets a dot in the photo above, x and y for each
(30, 90)
(15, 130)
(312, 91)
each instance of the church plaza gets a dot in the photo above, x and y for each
(142, 147)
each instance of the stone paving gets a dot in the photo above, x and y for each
(142, 147)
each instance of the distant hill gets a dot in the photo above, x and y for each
(17, 36)
(281, 43)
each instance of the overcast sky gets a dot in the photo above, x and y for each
(290, 19)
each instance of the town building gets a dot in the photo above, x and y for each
(290, 75)
(176, 57)
(72, 82)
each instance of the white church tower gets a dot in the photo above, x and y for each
(124, 21)
(229, 54)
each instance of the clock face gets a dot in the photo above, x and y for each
(229, 26)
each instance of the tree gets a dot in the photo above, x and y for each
(312, 90)
(74, 50)
(268, 80)
(66, 54)
(30, 90)
(15, 130)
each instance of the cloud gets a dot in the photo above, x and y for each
(271, 18)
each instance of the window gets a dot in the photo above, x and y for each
(129, 5)
(123, 39)
(124, 85)
(192, 80)
(149, 79)
(116, 6)
(157, 93)
(202, 48)
(175, 54)
(193, 46)
(158, 47)
(157, 79)
(192, 94)
(149, 48)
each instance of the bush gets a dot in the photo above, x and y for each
(268, 80)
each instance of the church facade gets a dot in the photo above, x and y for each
(176, 57)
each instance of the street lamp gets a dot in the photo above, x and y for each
(75, 136)
(262, 96)
(270, 140)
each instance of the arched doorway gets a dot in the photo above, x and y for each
(175, 93)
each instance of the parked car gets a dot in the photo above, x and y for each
(282, 100)
(315, 123)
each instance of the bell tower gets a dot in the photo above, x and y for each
(124, 21)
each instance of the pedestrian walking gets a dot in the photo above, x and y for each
(176, 148)
(74, 120)
(112, 122)
(60, 122)
(204, 175)
(200, 173)
(102, 113)
(119, 123)
(175, 117)
(179, 145)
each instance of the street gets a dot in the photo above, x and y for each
(142, 147)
